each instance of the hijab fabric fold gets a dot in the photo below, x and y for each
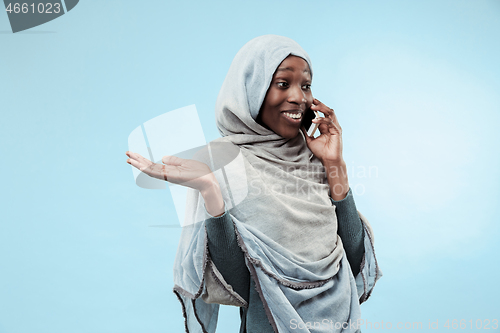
(278, 200)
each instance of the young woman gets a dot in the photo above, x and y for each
(274, 231)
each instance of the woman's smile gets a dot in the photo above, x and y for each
(293, 117)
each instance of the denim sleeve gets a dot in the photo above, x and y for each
(350, 230)
(226, 253)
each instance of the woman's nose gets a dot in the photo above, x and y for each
(296, 95)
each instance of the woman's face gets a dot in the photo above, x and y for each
(287, 98)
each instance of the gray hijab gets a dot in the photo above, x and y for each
(278, 199)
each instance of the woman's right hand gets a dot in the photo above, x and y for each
(186, 172)
(176, 170)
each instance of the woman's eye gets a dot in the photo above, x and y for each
(282, 84)
(306, 87)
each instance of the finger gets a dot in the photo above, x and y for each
(329, 113)
(139, 158)
(145, 161)
(327, 125)
(319, 106)
(147, 168)
(326, 121)
(133, 155)
(135, 163)
(335, 120)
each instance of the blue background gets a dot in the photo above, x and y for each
(415, 85)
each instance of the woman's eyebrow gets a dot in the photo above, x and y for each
(289, 69)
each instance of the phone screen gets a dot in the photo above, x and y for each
(308, 117)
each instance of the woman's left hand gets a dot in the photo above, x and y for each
(328, 146)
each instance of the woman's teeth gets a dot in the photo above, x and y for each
(293, 115)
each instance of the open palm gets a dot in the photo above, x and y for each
(176, 170)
